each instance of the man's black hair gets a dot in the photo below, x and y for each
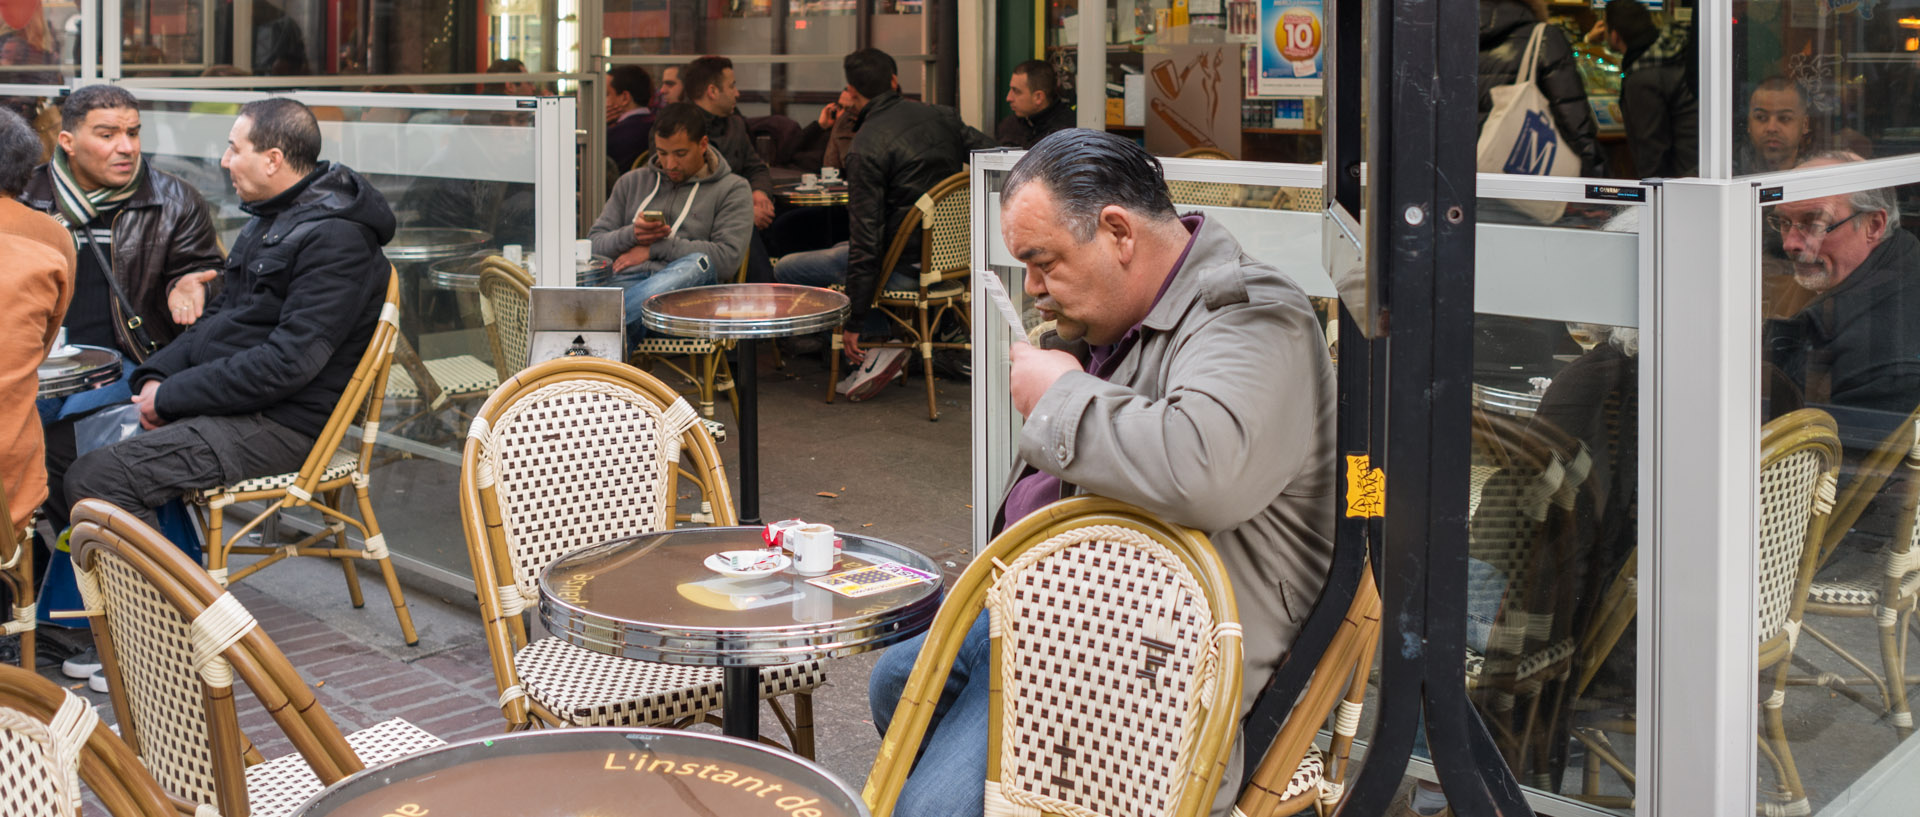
(1086, 170)
(633, 81)
(870, 72)
(90, 98)
(19, 153)
(279, 122)
(508, 65)
(681, 117)
(1632, 22)
(701, 74)
(1040, 77)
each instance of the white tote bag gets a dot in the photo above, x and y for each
(1519, 136)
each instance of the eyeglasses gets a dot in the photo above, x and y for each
(1812, 230)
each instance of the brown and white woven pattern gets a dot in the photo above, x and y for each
(1789, 489)
(675, 346)
(40, 761)
(344, 462)
(1107, 655)
(504, 303)
(944, 289)
(579, 462)
(593, 689)
(947, 229)
(458, 376)
(153, 648)
(1203, 194)
(1859, 578)
(282, 784)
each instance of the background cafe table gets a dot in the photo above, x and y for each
(746, 312)
(650, 598)
(87, 368)
(824, 194)
(599, 771)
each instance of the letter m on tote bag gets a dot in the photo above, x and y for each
(1519, 136)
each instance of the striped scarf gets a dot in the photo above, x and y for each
(78, 207)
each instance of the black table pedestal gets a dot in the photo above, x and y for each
(746, 378)
(740, 703)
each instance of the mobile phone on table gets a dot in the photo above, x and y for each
(654, 216)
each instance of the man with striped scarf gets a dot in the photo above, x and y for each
(155, 240)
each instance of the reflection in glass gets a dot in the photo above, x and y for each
(1810, 77)
(1841, 343)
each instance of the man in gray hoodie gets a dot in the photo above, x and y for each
(682, 219)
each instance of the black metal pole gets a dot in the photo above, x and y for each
(740, 702)
(746, 377)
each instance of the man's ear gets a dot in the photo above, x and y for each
(65, 140)
(1118, 224)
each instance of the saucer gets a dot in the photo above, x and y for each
(63, 354)
(774, 563)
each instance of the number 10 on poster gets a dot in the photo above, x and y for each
(1292, 47)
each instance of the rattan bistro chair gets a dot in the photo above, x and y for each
(1883, 586)
(1799, 462)
(50, 741)
(16, 574)
(943, 217)
(1294, 774)
(529, 495)
(1116, 667)
(322, 484)
(506, 302)
(1531, 481)
(171, 643)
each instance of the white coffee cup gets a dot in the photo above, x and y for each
(829, 174)
(583, 250)
(809, 180)
(512, 253)
(812, 548)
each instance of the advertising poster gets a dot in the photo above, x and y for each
(1193, 98)
(1292, 47)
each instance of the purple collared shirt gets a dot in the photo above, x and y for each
(1038, 489)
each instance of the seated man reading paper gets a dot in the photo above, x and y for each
(1206, 396)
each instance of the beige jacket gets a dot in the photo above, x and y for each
(1221, 418)
(36, 265)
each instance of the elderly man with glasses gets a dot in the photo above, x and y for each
(1857, 343)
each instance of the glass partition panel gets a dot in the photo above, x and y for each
(1840, 382)
(1818, 76)
(40, 44)
(1554, 531)
(464, 184)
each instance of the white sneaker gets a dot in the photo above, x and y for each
(882, 366)
(98, 682)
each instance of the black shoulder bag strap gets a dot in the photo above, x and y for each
(129, 317)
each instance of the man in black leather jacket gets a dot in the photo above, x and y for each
(248, 388)
(1033, 92)
(1505, 27)
(153, 231)
(901, 148)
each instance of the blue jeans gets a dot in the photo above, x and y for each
(949, 777)
(824, 268)
(690, 270)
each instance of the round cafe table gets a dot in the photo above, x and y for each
(823, 194)
(652, 598)
(747, 313)
(598, 771)
(86, 369)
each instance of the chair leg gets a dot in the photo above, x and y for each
(347, 562)
(803, 725)
(377, 550)
(1892, 654)
(926, 359)
(705, 366)
(217, 545)
(833, 361)
(1793, 796)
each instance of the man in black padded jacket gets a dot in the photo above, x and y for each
(246, 390)
(1505, 28)
(900, 149)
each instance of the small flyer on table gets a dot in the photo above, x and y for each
(871, 579)
(1292, 48)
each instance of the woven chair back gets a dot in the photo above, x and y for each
(573, 452)
(947, 219)
(172, 641)
(1870, 478)
(1116, 667)
(506, 301)
(361, 400)
(51, 741)
(1799, 459)
(1521, 527)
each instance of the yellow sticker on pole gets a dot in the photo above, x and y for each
(1366, 488)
